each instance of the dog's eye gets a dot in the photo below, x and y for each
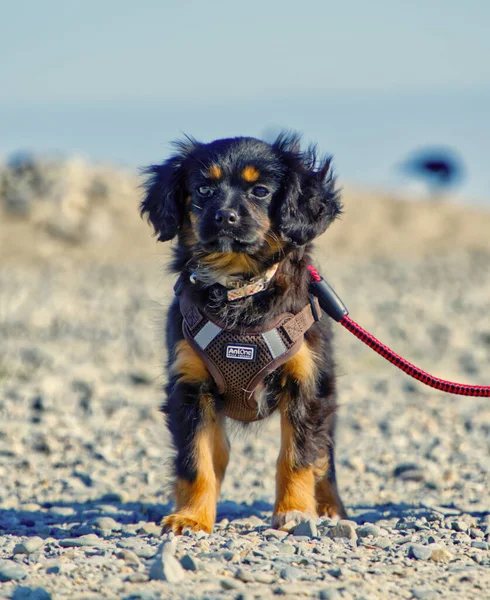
(260, 191)
(205, 191)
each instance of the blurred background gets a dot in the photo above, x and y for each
(398, 92)
(369, 82)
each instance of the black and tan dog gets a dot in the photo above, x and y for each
(245, 213)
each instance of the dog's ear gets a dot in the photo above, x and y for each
(308, 200)
(164, 201)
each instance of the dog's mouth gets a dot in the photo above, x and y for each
(230, 241)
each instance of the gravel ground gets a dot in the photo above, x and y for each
(84, 452)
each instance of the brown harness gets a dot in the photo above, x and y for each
(240, 359)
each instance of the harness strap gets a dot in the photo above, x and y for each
(240, 359)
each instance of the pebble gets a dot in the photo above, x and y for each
(28, 593)
(264, 577)
(422, 593)
(441, 555)
(368, 531)
(90, 539)
(480, 545)
(343, 529)
(459, 525)
(11, 571)
(306, 528)
(165, 566)
(230, 584)
(244, 576)
(189, 563)
(291, 573)
(29, 546)
(107, 524)
(328, 594)
(128, 556)
(420, 552)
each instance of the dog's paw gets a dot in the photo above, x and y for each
(332, 511)
(288, 520)
(179, 523)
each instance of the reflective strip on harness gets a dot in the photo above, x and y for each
(207, 334)
(274, 343)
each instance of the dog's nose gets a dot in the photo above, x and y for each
(225, 217)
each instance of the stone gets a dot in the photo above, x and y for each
(306, 528)
(422, 594)
(11, 571)
(230, 584)
(29, 546)
(408, 472)
(476, 533)
(90, 539)
(440, 555)
(343, 529)
(244, 576)
(166, 567)
(480, 545)
(459, 525)
(264, 577)
(291, 573)
(106, 523)
(420, 552)
(328, 594)
(27, 593)
(189, 563)
(368, 530)
(128, 556)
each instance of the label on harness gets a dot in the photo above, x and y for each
(240, 352)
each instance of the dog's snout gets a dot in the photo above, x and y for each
(225, 217)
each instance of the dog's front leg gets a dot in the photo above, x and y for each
(202, 448)
(305, 480)
(295, 479)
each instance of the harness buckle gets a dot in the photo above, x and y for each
(317, 315)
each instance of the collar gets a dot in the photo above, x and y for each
(242, 288)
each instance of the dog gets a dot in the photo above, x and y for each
(245, 213)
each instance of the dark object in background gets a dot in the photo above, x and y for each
(440, 168)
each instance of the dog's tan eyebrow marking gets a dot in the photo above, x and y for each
(215, 172)
(250, 174)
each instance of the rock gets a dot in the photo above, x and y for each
(480, 545)
(408, 472)
(106, 523)
(343, 529)
(306, 528)
(27, 593)
(11, 571)
(476, 533)
(90, 539)
(166, 567)
(329, 594)
(264, 577)
(128, 556)
(368, 530)
(29, 546)
(422, 594)
(189, 563)
(230, 584)
(440, 555)
(420, 552)
(459, 525)
(244, 576)
(291, 573)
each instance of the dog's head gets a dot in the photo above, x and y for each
(241, 195)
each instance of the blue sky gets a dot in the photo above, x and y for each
(118, 79)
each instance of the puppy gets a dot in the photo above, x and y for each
(244, 213)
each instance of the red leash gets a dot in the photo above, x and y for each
(334, 307)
